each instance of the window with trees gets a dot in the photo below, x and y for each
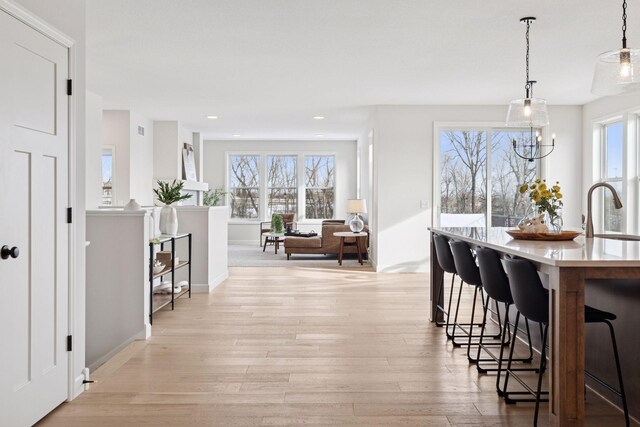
(282, 191)
(107, 176)
(612, 172)
(479, 177)
(319, 174)
(244, 186)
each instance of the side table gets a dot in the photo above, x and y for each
(359, 245)
(274, 238)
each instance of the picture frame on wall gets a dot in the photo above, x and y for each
(188, 163)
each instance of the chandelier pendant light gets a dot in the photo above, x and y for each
(529, 112)
(618, 71)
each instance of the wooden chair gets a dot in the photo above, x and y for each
(289, 221)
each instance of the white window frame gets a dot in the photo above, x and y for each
(489, 128)
(261, 184)
(304, 186)
(111, 148)
(301, 207)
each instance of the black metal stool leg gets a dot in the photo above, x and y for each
(615, 354)
(453, 285)
(543, 363)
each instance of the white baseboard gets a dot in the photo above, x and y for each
(244, 242)
(408, 267)
(142, 335)
(207, 288)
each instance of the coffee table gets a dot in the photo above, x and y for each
(274, 238)
(359, 245)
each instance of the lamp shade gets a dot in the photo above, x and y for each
(617, 72)
(355, 206)
(529, 114)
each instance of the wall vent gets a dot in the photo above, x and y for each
(140, 130)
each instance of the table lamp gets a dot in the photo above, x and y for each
(356, 207)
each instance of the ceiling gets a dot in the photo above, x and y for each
(266, 67)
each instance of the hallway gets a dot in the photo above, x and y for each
(293, 346)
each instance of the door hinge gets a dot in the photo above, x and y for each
(69, 342)
(69, 215)
(69, 87)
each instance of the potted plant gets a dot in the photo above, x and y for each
(213, 197)
(169, 193)
(277, 224)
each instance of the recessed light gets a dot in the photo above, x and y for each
(236, 135)
(318, 117)
(212, 117)
(319, 135)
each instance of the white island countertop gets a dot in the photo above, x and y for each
(580, 252)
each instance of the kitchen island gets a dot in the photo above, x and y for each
(568, 266)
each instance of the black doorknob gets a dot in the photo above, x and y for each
(7, 252)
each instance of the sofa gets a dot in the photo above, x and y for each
(326, 243)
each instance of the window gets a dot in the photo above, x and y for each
(612, 172)
(319, 175)
(508, 172)
(467, 197)
(107, 176)
(282, 191)
(244, 186)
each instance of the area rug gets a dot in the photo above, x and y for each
(252, 256)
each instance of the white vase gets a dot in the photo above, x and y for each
(168, 221)
(132, 206)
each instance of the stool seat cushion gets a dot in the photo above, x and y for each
(593, 315)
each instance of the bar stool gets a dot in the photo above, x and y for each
(470, 274)
(532, 301)
(445, 260)
(496, 285)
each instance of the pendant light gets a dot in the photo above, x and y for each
(618, 71)
(528, 111)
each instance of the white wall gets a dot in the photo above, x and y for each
(141, 160)
(69, 17)
(93, 153)
(166, 150)
(403, 149)
(214, 160)
(133, 173)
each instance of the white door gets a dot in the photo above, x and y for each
(34, 286)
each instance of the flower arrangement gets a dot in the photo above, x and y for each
(546, 199)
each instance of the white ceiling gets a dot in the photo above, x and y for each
(266, 67)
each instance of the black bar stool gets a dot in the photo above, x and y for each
(532, 300)
(496, 285)
(470, 274)
(445, 260)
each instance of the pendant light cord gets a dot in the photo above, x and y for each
(624, 24)
(528, 88)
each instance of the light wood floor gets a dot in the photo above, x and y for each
(287, 346)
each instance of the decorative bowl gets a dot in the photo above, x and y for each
(158, 268)
(561, 236)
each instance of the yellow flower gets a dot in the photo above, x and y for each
(542, 187)
(523, 188)
(546, 194)
(556, 188)
(538, 181)
(558, 195)
(533, 186)
(535, 194)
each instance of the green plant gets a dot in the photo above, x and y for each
(213, 197)
(277, 224)
(169, 193)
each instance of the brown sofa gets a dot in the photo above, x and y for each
(327, 243)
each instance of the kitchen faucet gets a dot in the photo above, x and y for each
(616, 202)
